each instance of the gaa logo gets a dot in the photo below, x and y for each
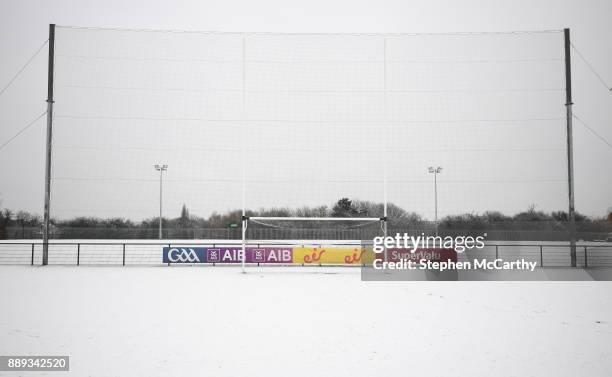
(183, 255)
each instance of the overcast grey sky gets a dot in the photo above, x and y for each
(24, 26)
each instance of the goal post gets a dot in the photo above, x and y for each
(263, 220)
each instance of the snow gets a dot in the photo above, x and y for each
(296, 321)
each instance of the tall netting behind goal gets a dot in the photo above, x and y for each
(287, 125)
(125, 101)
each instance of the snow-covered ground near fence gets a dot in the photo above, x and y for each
(289, 321)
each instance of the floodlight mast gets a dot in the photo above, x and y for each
(161, 168)
(435, 172)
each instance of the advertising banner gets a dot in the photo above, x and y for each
(233, 254)
(274, 255)
(332, 255)
(184, 254)
(431, 254)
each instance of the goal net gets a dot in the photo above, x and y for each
(262, 124)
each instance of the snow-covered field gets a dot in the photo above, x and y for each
(292, 321)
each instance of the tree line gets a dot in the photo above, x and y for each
(14, 223)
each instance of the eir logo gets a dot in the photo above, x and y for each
(183, 255)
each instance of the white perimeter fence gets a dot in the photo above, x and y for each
(125, 253)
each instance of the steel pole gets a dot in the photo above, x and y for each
(570, 146)
(50, 100)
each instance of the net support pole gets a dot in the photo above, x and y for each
(385, 133)
(570, 146)
(47, 208)
(245, 220)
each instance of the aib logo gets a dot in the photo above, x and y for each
(183, 255)
(259, 255)
(214, 255)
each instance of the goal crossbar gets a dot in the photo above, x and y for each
(273, 218)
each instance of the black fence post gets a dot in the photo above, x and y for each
(496, 251)
(541, 257)
(586, 263)
(32, 260)
(123, 262)
(78, 254)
